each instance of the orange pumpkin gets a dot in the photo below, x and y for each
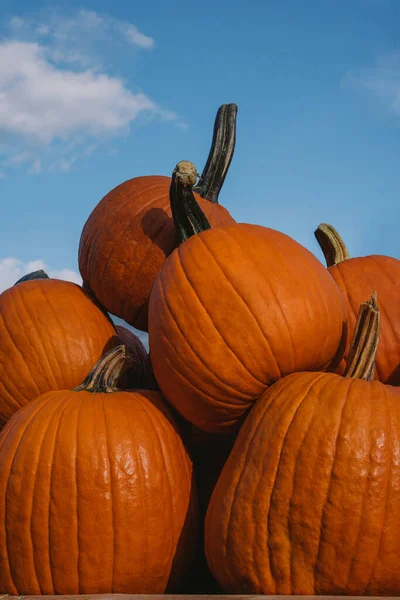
(309, 499)
(355, 277)
(234, 309)
(96, 492)
(51, 335)
(130, 232)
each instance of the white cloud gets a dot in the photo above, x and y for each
(42, 102)
(382, 80)
(59, 94)
(12, 269)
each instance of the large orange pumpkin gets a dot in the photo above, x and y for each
(234, 309)
(130, 232)
(51, 335)
(356, 277)
(96, 492)
(309, 499)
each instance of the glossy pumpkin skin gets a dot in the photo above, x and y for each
(96, 496)
(51, 335)
(233, 310)
(126, 240)
(358, 278)
(309, 499)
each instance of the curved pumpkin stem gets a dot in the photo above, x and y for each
(363, 349)
(34, 275)
(106, 372)
(221, 153)
(331, 244)
(188, 217)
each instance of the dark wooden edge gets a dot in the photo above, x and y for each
(186, 597)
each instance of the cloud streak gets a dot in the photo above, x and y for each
(382, 80)
(56, 94)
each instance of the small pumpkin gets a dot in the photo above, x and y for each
(96, 492)
(130, 232)
(234, 309)
(51, 335)
(308, 502)
(355, 277)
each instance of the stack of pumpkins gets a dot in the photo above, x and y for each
(261, 436)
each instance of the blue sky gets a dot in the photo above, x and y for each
(93, 93)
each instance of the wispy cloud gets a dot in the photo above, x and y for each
(12, 269)
(59, 94)
(382, 80)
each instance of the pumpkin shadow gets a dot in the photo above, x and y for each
(159, 226)
(182, 567)
(394, 377)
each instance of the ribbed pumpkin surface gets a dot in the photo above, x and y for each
(233, 310)
(95, 493)
(51, 335)
(358, 278)
(309, 499)
(126, 240)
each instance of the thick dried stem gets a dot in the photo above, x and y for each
(188, 217)
(107, 371)
(221, 153)
(331, 244)
(34, 275)
(362, 355)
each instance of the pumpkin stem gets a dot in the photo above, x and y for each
(34, 275)
(221, 153)
(106, 372)
(188, 217)
(362, 355)
(331, 244)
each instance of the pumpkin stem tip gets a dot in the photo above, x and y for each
(186, 172)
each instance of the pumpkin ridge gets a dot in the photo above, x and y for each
(10, 426)
(107, 438)
(165, 472)
(54, 443)
(329, 485)
(273, 293)
(203, 308)
(61, 331)
(245, 304)
(140, 266)
(274, 575)
(16, 313)
(78, 545)
(315, 381)
(118, 240)
(215, 376)
(11, 401)
(15, 453)
(389, 428)
(106, 220)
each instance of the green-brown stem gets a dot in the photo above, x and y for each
(221, 153)
(34, 275)
(331, 244)
(188, 217)
(106, 372)
(360, 363)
